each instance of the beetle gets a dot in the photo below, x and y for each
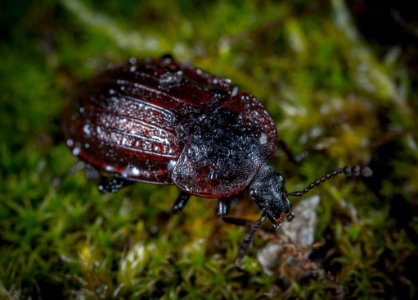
(166, 122)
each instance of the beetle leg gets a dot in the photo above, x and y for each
(112, 184)
(246, 243)
(223, 206)
(237, 221)
(296, 159)
(180, 203)
(79, 166)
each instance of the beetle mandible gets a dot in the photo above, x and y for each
(166, 122)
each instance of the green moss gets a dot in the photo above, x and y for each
(330, 92)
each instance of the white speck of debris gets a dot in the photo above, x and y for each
(263, 139)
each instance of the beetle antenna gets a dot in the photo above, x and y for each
(350, 171)
(248, 239)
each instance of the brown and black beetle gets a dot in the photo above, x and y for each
(166, 122)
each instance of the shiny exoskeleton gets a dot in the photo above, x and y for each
(166, 122)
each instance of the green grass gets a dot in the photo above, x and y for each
(330, 92)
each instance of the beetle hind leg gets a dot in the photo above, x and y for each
(180, 203)
(112, 184)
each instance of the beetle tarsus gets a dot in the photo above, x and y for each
(180, 203)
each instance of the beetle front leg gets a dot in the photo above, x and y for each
(112, 184)
(180, 203)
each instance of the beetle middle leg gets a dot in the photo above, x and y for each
(180, 203)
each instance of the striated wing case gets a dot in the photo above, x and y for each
(132, 121)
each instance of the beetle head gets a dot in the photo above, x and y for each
(269, 193)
